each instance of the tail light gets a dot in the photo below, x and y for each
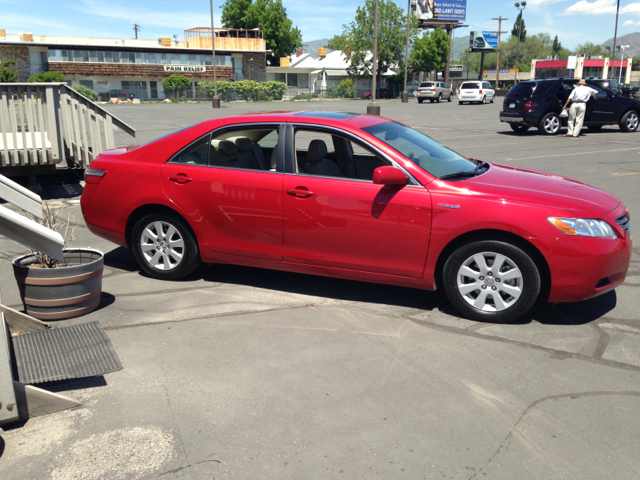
(480, 91)
(530, 105)
(433, 89)
(458, 92)
(93, 175)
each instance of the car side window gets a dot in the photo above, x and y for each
(245, 148)
(195, 154)
(329, 155)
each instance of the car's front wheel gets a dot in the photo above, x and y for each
(550, 124)
(629, 122)
(164, 246)
(491, 280)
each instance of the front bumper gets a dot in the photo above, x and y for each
(582, 267)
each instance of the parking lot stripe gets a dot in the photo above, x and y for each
(572, 154)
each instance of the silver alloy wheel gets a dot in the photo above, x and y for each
(490, 281)
(162, 245)
(632, 121)
(551, 124)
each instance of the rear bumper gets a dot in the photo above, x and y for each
(427, 94)
(519, 119)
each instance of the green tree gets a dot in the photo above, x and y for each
(588, 48)
(358, 37)
(86, 92)
(635, 64)
(270, 16)
(430, 51)
(45, 77)
(514, 30)
(176, 84)
(233, 12)
(338, 42)
(557, 46)
(7, 75)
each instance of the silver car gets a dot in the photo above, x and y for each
(434, 92)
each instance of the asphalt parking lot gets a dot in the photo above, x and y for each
(243, 373)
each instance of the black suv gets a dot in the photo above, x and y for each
(538, 103)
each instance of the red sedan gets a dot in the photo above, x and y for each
(358, 197)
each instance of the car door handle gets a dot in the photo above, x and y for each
(300, 192)
(180, 178)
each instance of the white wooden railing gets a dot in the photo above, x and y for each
(50, 123)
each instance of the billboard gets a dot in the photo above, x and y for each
(454, 10)
(483, 41)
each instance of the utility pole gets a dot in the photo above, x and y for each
(405, 95)
(136, 27)
(615, 38)
(215, 101)
(373, 108)
(518, 4)
(500, 20)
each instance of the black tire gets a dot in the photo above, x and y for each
(451, 97)
(518, 128)
(439, 98)
(420, 100)
(484, 100)
(432, 100)
(528, 282)
(551, 124)
(190, 255)
(460, 103)
(595, 128)
(630, 121)
(493, 98)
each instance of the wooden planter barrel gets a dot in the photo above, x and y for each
(65, 292)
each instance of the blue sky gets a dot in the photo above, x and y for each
(574, 21)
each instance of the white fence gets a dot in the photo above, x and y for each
(49, 123)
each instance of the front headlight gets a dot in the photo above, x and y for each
(583, 227)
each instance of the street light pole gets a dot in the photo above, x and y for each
(518, 5)
(215, 101)
(405, 94)
(373, 108)
(622, 49)
(615, 38)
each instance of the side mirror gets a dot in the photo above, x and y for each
(389, 176)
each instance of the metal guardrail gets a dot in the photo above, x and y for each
(50, 123)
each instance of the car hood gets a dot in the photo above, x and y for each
(520, 185)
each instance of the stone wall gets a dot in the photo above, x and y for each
(21, 56)
(254, 66)
(86, 69)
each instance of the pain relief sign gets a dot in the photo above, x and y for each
(184, 68)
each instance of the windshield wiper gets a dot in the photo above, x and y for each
(477, 171)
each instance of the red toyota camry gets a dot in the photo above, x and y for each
(358, 197)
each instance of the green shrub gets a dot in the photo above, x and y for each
(272, 90)
(345, 89)
(330, 92)
(176, 85)
(47, 77)
(225, 90)
(249, 89)
(303, 96)
(86, 92)
(7, 75)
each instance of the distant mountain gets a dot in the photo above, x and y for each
(313, 46)
(631, 39)
(459, 44)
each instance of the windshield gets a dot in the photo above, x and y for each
(470, 86)
(425, 152)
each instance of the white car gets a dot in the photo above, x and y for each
(476, 92)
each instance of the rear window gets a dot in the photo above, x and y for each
(522, 89)
(426, 84)
(543, 88)
(469, 86)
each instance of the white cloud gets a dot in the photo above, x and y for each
(600, 7)
(628, 22)
(543, 2)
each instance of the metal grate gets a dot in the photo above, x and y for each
(623, 221)
(62, 353)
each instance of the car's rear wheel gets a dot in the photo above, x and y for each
(460, 103)
(491, 280)
(164, 246)
(493, 97)
(432, 100)
(451, 97)
(420, 100)
(439, 98)
(519, 128)
(550, 124)
(484, 100)
(629, 122)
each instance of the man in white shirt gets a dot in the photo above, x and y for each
(578, 99)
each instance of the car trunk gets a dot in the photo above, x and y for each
(517, 97)
(469, 89)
